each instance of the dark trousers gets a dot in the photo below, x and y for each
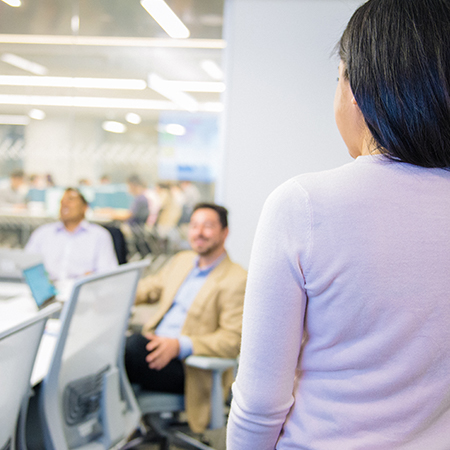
(168, 379)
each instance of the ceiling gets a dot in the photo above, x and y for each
(111, 39)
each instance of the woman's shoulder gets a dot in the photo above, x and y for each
(302, 184)
(345, 178)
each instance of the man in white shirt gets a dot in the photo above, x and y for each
(73, 247)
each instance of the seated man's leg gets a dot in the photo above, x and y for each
(168, 379)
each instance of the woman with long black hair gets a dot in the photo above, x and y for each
(346, 333)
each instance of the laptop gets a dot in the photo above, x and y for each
(42, 289)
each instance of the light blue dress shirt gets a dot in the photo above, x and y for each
(71, 254)
(173, 321)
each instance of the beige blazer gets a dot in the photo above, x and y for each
(213, 322)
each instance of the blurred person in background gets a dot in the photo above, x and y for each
(171, 208)
(73, 247)
(14, 195)
(191, 196)
(139, 210)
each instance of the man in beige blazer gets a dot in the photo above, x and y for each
(201, 294)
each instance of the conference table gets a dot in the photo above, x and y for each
(16, 305)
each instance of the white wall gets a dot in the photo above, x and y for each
(52, 147)
(279, 120)
(71, 149)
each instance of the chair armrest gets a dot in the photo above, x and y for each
(217, 366)
(210, 363)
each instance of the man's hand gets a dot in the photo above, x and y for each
(162, 350)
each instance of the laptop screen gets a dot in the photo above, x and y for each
(41, 287)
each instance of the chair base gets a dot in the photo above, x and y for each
(162, 431)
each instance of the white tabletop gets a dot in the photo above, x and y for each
(20, 307)
(45, 352)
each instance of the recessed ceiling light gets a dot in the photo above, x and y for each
(166, 18)
(37, 114)
(133, 118)
(175, 129)
(23, 64)
(114, 127)
(75, 23)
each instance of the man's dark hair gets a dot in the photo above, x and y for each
(396, 56)
(19, 173)
(135, 180)
(82, 197)
(220, 210)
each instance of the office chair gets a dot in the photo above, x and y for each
(156, 405)
(119, 242)
(18, 349)
(85, 401)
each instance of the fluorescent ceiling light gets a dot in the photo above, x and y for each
(6, 119)
(212, 69)
(182, 99)
(133, 118)
(107, 83)
(72, 82)
(23, 63)
(166, 18)
(13, 3)
(37, 114)
(100, 102)
(175, 129)
(110, 41)
(114, 127)
(195, 86)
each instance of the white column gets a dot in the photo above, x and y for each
(279, 119)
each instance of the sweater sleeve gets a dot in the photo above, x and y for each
(274, 309)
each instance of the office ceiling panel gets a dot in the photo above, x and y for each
(106, 39)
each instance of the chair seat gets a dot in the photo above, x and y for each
(155, 402)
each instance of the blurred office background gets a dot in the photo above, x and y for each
(171, 114)
(94, 91)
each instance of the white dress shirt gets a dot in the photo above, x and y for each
(67, 255)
